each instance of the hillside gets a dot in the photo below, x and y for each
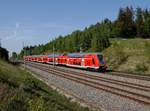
(129, 55)
(19, 91)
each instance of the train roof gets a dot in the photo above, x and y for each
(75, 55)
(37, 55)
(52, 55)
(78, 55)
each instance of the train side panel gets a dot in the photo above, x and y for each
(79, 60)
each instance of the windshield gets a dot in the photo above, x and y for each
(100, 58)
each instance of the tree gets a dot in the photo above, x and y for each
(76, 41)
(85, 41)
(14, 56)
(147, 28)
(3, 54)
(139, 22)
(99, 43)
(146, 14)
(124, 25)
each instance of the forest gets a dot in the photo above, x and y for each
(130, 23)
(4, 54)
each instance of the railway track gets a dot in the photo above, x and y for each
(118, 73)
(139, 93)
(100, 78)
(135, 76)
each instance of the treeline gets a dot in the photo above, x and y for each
(90, 39)
(3, 54)
(129, 24)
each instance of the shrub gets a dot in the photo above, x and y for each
(141, 68)
(119, 55)
(3, 54)
(147, 50)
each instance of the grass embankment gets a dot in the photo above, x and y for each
(129, 55)
(19, 91)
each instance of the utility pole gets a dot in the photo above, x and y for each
(80, 49)
(53, 55)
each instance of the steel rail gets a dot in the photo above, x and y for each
(131, 95)
(130, 75)
(113, 81)
(122, 74)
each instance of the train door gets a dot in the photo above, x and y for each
(82, 62)
(93, 62)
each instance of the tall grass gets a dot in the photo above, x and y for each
(141, 68)
(129, 55)
(116, 55)
(147, 50)
(19, 91)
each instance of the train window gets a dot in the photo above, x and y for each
(78, 63)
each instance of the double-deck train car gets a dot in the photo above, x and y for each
(35, 58)
(94, 61)
(63, 59)
(53, 58)
(44, 58)
(87, 60)
(27, 58)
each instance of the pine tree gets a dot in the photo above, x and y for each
(4, 54)
(124, 25)
(139, 22)
(147, 28)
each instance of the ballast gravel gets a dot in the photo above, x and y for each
(97, 98)
(130, 80)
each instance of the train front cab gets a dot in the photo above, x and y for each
(91, 62)
(95, 62)
(101, 62)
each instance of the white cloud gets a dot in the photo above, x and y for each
(17, 25)
(12, 34)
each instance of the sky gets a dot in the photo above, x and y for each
(33, 22)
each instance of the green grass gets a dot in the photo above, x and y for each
(129, 55)
(20, 91)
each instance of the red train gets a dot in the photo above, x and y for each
(94, 61)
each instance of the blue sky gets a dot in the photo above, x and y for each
(38, 21)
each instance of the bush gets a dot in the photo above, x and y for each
(3, 54)
(141, 68)
(147, 50)
(118, 54)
